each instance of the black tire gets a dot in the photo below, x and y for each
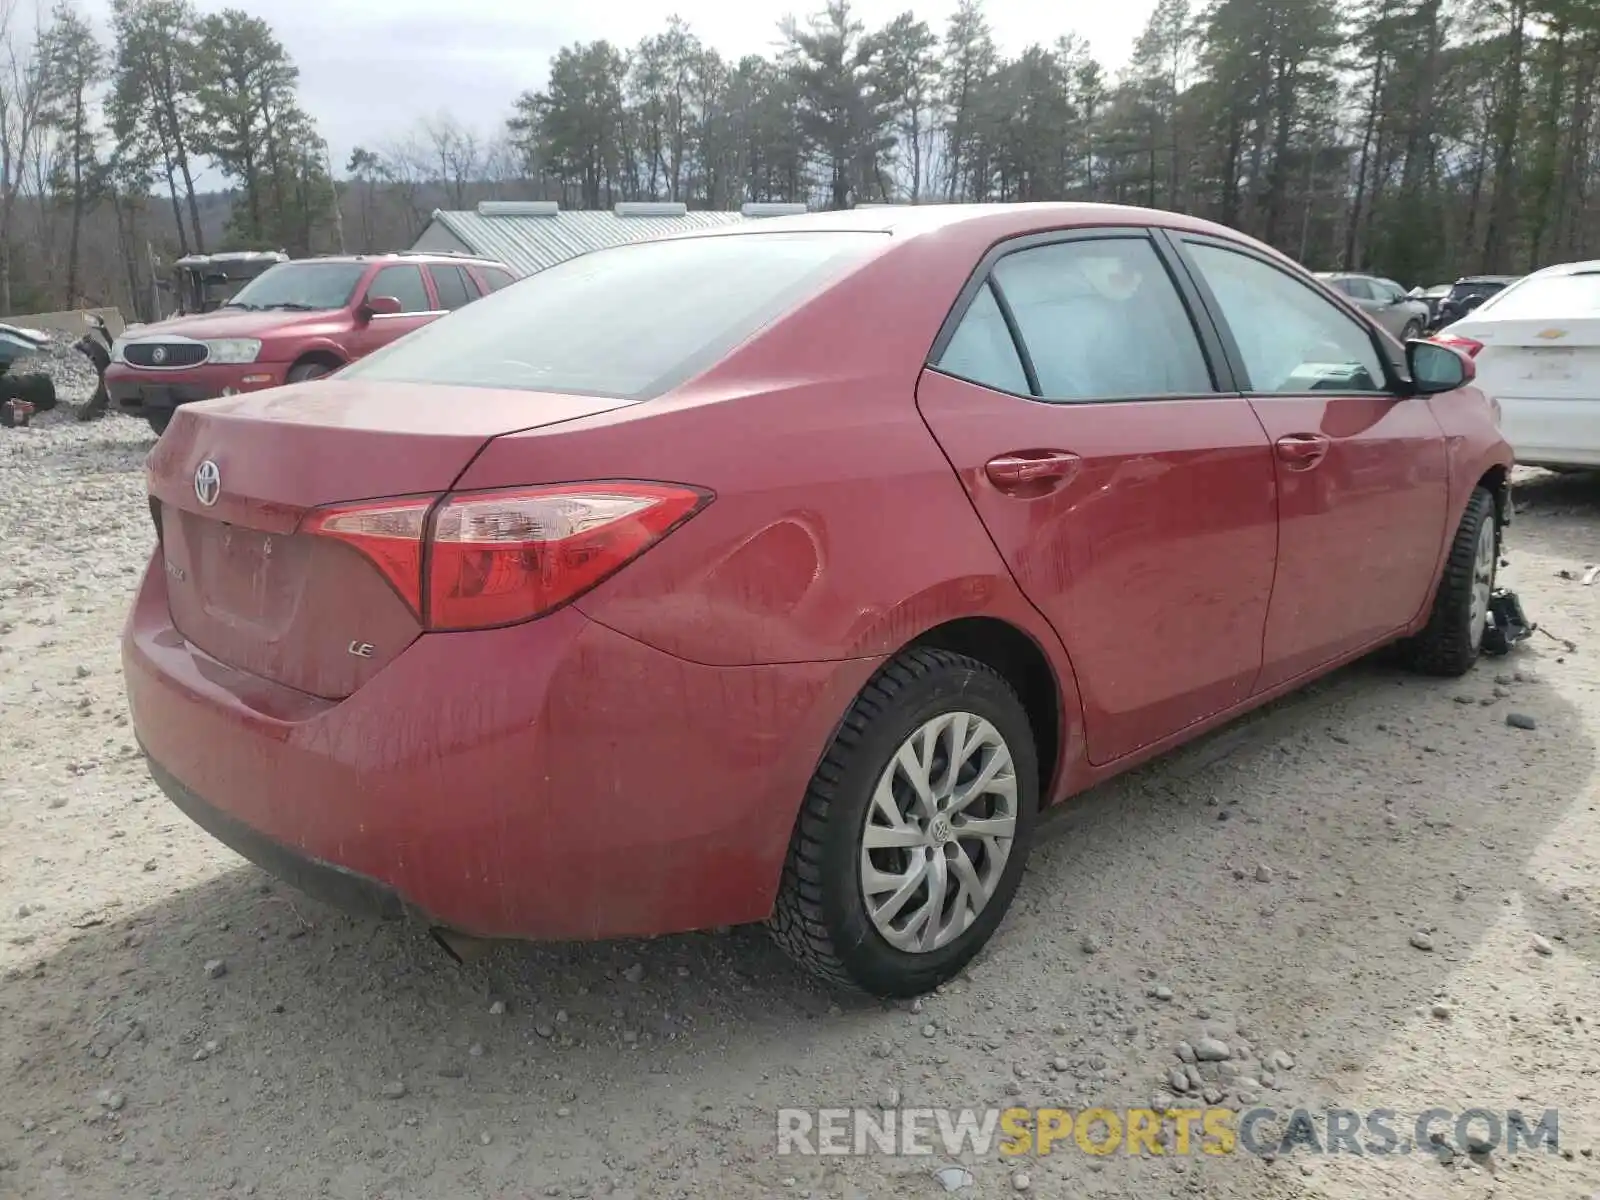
(1448, 645)
(159, 420)
(1413, 330)
(301, 372)
(37, 390)
(820, 918)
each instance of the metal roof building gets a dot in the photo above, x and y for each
(529, 235)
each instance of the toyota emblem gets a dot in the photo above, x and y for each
(207, 483)
(158, 355)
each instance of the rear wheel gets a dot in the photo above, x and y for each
(914, 830)
(1453, 637)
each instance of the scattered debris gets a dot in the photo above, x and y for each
(216, 968)
(1541, 946)
(1421, 940)
(1519, 720)
(953, 1179)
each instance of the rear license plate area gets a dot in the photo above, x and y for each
(1549, 363)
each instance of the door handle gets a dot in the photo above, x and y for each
(1302, 451)
(1023, 469)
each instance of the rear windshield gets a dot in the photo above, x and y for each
(1548, 297)
(628, 322)
(302, 285)
(1463, 291)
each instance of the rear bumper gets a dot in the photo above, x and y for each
(140, 393)
(323, 881)
(1562, 432)
(552, 780)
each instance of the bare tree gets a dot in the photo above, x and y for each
(455, 153)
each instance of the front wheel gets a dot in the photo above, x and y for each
(1411, 331)
(913, 834)
(301, 372)
(1453, 638)
(159, 420)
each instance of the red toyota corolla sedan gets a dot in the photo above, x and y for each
(787, 572)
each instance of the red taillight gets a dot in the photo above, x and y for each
(1456, 342)
(388, 532)
(500, 557)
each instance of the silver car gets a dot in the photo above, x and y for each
(1385, 301)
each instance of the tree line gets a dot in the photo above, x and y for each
(102, 143)
(1419, 139)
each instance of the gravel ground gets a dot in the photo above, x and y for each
(1379, 881)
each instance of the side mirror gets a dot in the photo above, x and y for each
(381, 306)
(1435, 368)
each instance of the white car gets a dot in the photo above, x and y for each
(1537, 349)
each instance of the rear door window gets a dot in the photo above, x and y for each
(1101, 319)
(629, 322)
(405, 285)
(496, 279)
(982, 350)
(450, 284)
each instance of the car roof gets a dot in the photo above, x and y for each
(397, 256)
(975, 227)
(1589, 267)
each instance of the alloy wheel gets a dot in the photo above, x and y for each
(1483, 569)
(938, 832)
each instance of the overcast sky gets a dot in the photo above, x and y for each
(371, 68)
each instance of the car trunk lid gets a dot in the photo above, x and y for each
(231, 480)
(1538, 359)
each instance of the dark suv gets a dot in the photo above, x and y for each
(1469, 292)
(293, 322)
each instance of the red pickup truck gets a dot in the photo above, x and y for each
(293, 322)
